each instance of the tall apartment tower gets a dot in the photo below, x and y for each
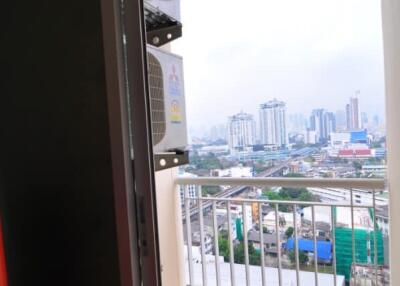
(323, 123)
(273, 123)
(241, 131)
(353, 118)
(330, 123)
(317, 123)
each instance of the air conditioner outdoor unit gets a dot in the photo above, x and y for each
(167, 96)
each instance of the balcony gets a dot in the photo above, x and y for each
(333, 241)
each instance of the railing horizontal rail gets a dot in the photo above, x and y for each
(370, 184)
(279, 202)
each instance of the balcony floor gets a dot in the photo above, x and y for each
(289, 276)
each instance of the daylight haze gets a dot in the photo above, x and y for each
(309, 54)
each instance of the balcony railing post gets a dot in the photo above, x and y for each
(315, 245)
(202, 236)
(231, 253)
(188, 233)
(375, 238)
(260, 219)
(216, 245)
(246, 245)
(278, 243)
(296, 245)
(333, 222)
(353, 235)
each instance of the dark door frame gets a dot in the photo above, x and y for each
(138, 240)
(125, 209)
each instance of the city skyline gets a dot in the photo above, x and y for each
(316, 54)
(321, 121)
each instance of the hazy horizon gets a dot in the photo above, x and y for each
(309, 54)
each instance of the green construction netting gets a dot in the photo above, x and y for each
(239, 231)
(344, 254)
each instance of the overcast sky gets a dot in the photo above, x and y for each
(308, 53)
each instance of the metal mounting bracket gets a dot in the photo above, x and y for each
(160, 27)
(168, 160)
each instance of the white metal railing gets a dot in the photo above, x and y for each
(209, 204)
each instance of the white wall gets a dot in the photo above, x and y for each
(391, 34)
(170, 228)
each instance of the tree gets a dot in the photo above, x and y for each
(274, 196)
(303, 257)
(309, 159)
(357, 165)
(223, 248)
(294, 175)
(289, 232)
(208, 162)
(306, 197)
(376, 145)
(271, 195)
(254, 256)
(239, 253)
(292, 193)
(210, 190)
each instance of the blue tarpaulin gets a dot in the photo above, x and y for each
(324, 248)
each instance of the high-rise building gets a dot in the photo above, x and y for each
(353, 114)
(376, 120)
(241, 131)
(323, 123)
(310, 137)
(364, 120)
(273, 123)
(340, 117)
(217, 132)
(330, 123)
(297, 123)
(317, 123)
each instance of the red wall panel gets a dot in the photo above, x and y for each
(3, 270)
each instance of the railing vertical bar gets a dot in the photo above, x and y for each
(296, 245)
(260, 220)
(188, 233)
(333, 222)
(353, 235)
(315, 246)
(216, 245)
(231, 253)
(278, 243)
(246, 245)
(375, 238)
(202, 237)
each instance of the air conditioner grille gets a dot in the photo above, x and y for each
(156, 85)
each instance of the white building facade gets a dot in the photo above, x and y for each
(241, 131)
(191, 189)
(273, 123)
(353, 117)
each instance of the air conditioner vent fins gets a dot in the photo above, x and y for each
(156, 85)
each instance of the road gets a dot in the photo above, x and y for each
(235, 190)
